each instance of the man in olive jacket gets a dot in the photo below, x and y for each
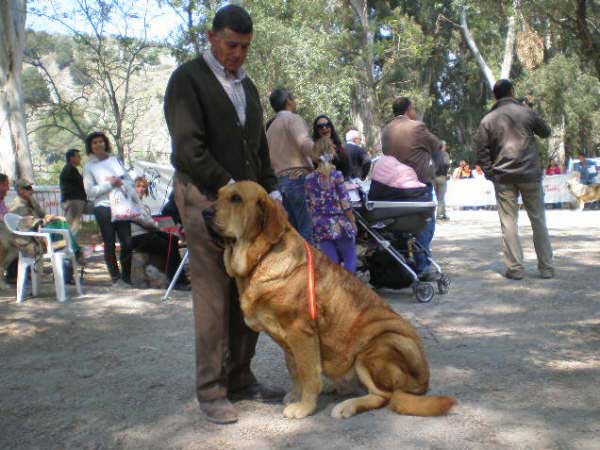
(507, 153)
(214, 117)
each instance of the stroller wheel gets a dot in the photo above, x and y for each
(443, 284)
(423, 291)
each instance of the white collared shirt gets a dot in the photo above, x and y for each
(232, 84)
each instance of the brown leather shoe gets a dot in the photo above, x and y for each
(219, 411)
(257, 392)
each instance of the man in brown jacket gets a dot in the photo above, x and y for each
(412, 143)
(506, 151)
(214, 117)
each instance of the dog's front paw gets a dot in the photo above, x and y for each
(291, 397)
(298, 410)
(343, 410)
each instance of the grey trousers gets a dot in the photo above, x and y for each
(508, 210)
(224, 344)
(440, 184)
(73, 211)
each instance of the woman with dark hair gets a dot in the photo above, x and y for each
(322, 127)
(103, 173)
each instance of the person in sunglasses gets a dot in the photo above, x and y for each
(323, 128)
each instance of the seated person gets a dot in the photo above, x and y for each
(26, 205)
(393, 180)
(587, 170)
(158, 244)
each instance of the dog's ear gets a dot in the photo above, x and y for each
(274, 219)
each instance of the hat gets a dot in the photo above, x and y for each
(23, 183)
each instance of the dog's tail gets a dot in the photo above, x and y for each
(420, 405)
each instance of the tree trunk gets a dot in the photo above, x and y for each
(485, 69)
(15, 157)
(365, 104)
(556, 143)
(509, 45)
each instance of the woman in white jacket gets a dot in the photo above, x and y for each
(103, 173)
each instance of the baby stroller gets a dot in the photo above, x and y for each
(388, 229)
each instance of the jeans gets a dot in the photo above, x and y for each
(424, 237)
(342, 251)
(294, 202)
(109, 231)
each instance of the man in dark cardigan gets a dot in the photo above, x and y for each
(215, 119)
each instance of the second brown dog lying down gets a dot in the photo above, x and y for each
(356, 332)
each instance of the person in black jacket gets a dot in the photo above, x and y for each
(72, 192)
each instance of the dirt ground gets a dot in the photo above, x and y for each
(114, 369)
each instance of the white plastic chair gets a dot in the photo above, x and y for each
(56, 257)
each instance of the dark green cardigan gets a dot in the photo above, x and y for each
(209, 144)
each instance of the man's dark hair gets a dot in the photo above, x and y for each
(400, 105)
(96, 134)
(70, 153)
(503, 88)
(233, 17)
(3, 177)
(279, 98)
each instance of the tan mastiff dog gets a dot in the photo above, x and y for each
(355, 334)
(583, 193)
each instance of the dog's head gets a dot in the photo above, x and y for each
(574, 185)
(245, 211)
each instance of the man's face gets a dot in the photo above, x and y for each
(76, 159)
(411, 112)
(357, 140)
(230, 48)
(582, 159)
(4, 187)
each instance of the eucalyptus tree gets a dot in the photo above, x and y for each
(15, 157)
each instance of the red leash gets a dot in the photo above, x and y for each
(313, 310)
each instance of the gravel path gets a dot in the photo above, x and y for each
(114, 369)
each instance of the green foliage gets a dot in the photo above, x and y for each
(295, 47)
(35, 87)
(317, 48)
(64, 54)
(564, 91)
